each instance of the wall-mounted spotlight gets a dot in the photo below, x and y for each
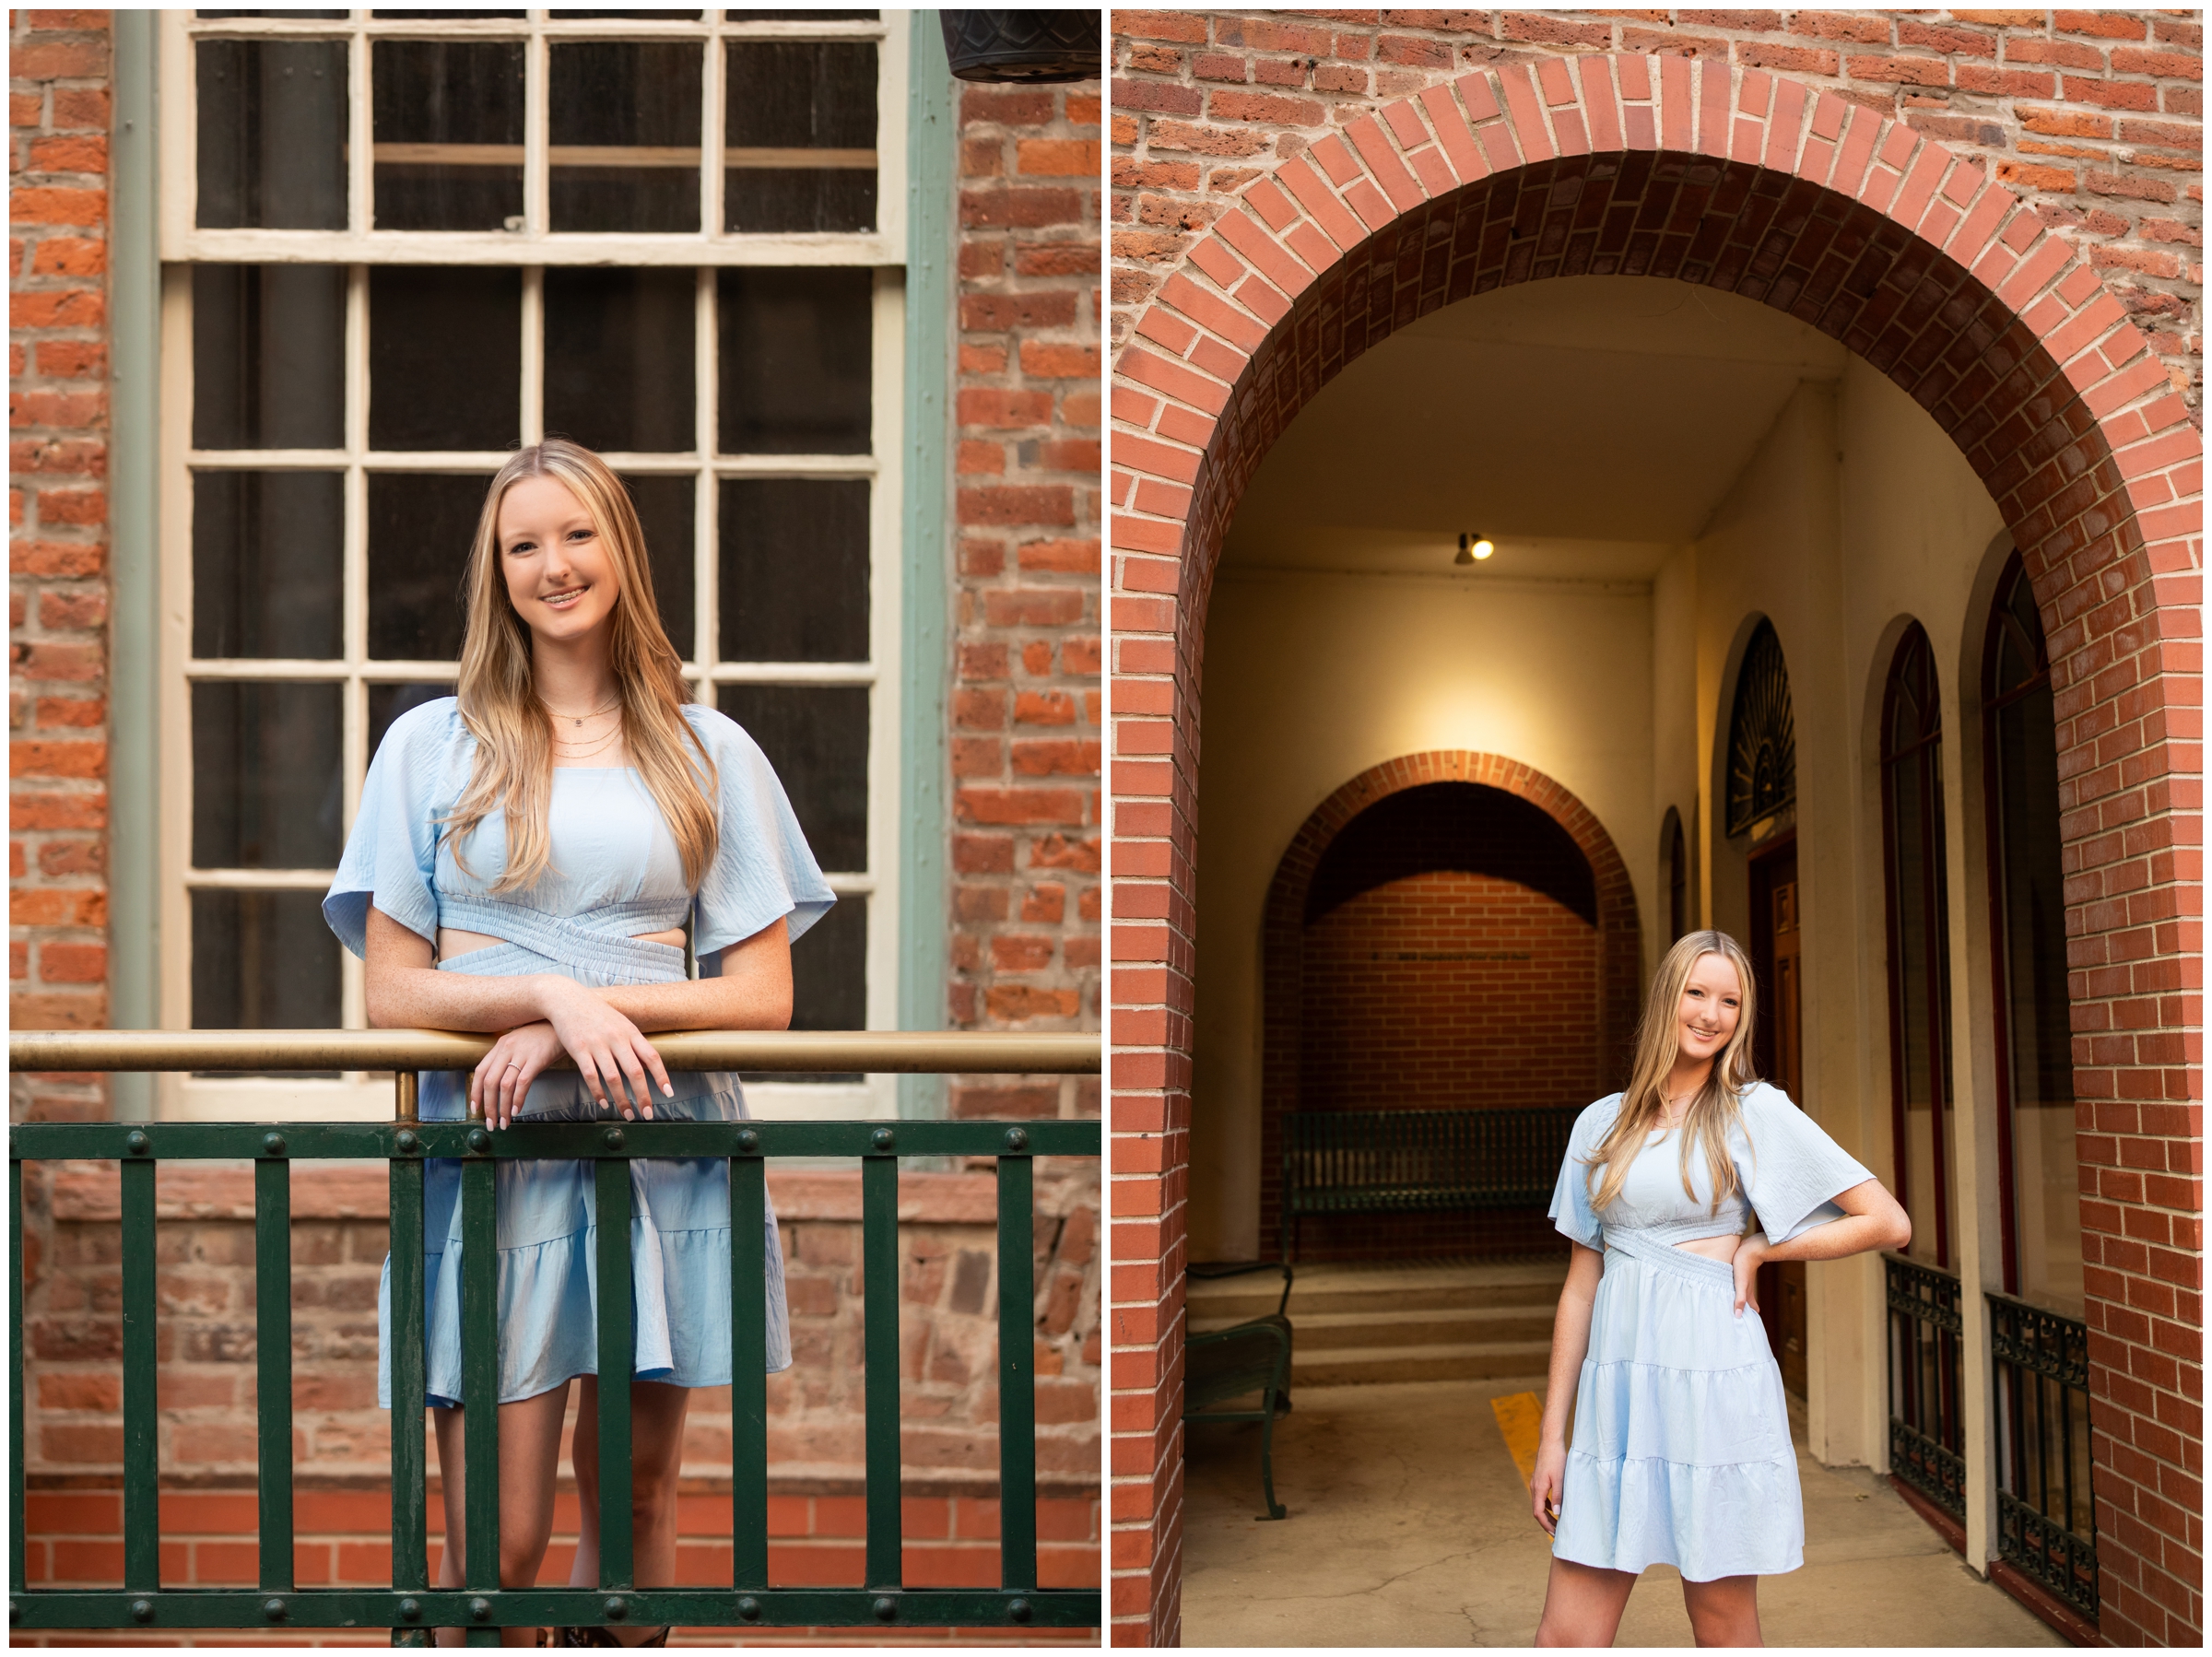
(1472, 546)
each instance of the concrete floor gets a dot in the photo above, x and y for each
(1409, 1526)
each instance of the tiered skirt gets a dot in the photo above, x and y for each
(1681, 1454)
(547, 1216)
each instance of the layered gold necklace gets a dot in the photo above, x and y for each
(593, 743)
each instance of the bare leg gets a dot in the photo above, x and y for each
(1582, 1604)
(1724, 1612)
(529, 1459)
(656, 1454)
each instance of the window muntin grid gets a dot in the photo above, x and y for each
(278, 463)
(780, 147)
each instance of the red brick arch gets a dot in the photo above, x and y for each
(1620, 946)
(1937, 276)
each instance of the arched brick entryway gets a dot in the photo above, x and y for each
(1935, 274)
(1619, 936)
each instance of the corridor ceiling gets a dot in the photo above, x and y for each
(1587, 424)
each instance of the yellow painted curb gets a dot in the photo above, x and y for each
(1520, 1421)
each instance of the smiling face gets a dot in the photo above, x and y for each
(558, 571)
(1713, 1001)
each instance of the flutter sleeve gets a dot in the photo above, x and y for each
(391, 854)
(763, 868)
(1571, 1209)
(1795, 1170)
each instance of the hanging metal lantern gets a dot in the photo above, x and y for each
(1036, 47)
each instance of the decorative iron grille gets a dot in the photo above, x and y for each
(2046, 1516)
(1928, 1430)
(411, 1607)
(1762, 734)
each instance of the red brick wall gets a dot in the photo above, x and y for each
(1027, 713)
(816, 1539)
(2096, 118)
(1446, 992)
(1450, 991)
(1291, 188)
(57, 532)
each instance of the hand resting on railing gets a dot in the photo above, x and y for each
(540, 1016)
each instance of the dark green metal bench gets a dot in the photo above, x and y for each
(1418, 1161)
(1229, 1363)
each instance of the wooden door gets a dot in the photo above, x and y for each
(1776, 956)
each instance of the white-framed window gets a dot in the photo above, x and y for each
(357, 329)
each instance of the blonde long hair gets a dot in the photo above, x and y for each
(513, 770)
(1715, 1110)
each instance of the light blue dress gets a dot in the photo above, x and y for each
(614, 873)
(1681, 1452)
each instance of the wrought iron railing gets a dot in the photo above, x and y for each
(2046, 1519)
(411, 1607)
(1927, 1423)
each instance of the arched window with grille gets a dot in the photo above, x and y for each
(1678, 875)
(2041, 1194)
(1912, 856)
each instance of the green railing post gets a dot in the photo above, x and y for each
(273, 1358)
(480, 1371)
(1016, 1366)
(879, 1310)
(749, 1368)
(617, 1364)
(141, 1401)
(18, 1576)
(410, 1530)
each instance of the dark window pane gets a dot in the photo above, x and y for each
(387, 702)
(273, 12)
(268, 355)
(272, 134)
(829, 982)
(667, 512)
(564, 14)
(795, 350)
(440, 12)
(449, 133)
(626, 117)
(801, 16)
(265, 775)
(794, 570)
(262, 960)
(619, 357)
(816, 738)
(421, 526)
(800, 136)
(267, 564)
(445, 356)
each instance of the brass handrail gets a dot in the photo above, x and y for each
(978, 1052)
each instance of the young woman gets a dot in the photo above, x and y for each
(1682, 1452)
(525, 860)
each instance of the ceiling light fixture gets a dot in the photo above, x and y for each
(1472, 546)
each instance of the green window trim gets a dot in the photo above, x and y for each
(924, 822)
(133, 683)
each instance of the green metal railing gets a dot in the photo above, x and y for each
(411, 1607)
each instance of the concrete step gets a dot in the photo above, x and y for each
(1358, 1324)
(1447, 1326)
(1361, 1286)
(1364, 1366)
